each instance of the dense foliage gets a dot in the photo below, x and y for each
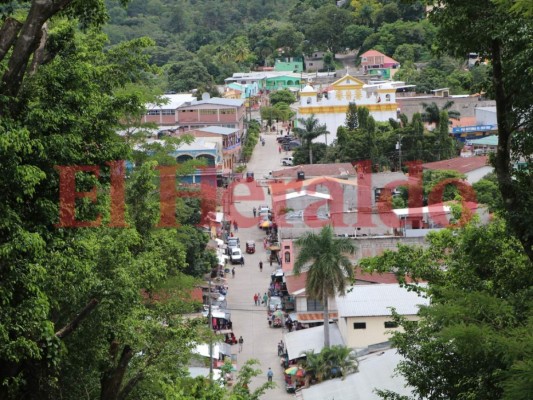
(474, 341)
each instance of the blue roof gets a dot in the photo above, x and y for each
(218, 130)
(491, 140)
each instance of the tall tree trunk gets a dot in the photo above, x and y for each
(310, 152)
(326, 322)
(112, 380)
(510, 191)
(8, 34)
(27, 42)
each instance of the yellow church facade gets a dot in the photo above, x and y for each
(331, 107)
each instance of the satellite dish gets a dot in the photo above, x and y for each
(205, 96)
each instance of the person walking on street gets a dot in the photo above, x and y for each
(256, 299)
(270, 375)
(241, 341)
(233, 272)
(265, 299)
(235, 226)
(261, 266)
(242, 261)
(255, 212)
(279, 149)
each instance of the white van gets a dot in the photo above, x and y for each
(287, 161)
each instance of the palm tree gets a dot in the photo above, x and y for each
(432, 113)
(329, 267)
(340, 357)
(310, 130)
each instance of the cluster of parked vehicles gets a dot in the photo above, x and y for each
(289, 142)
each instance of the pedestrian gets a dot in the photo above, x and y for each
(261, 266)
(279, 149)
(233, 272)
(270, 375)
(235, 226)
(265, 299)
(265, 243)
(255, 212)
(242, 261)
(270, 261)
(256, 299)
(241, 341)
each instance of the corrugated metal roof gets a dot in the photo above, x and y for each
(174, 101)
(310, 339)
(491, 140)
(460, 164)
(220, 130)
(376, 371)
(375, 300)
(220, 101)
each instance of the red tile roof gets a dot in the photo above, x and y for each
(383, 277)
(463, 121)
(374, 53)
(459, 164)
(295, 283)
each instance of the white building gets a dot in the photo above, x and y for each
(365, 316)
(330, 108)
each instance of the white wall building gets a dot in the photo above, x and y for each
(365, 316)
(330, 108)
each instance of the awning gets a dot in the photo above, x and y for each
(306, 318)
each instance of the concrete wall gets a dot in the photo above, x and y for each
(465, 105)
(374, 333)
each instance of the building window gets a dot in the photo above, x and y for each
(309, 100)
(227, 111)
(153, 112)
(387, 97)
(314, 305)
(391, 324)
(287, 256)
(359, 325)
(167, 112)
(208, 112)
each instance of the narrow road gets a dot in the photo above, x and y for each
(249, 320)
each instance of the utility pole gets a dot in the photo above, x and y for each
(399, 148)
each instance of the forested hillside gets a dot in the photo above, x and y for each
(199, 43)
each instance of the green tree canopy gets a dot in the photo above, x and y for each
(330, 268)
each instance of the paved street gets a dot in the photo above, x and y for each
(250, 321)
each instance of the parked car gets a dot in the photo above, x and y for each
(236, 255)
(287, 161)
(274, 303)
(263, 210)
(283, 139)
(293, 144)
(233, 242)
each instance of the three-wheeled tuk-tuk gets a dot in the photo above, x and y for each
(250, 247)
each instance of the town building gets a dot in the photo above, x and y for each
(330, 107)
(227, 139)
(216, 111)
(365, 316)
(164, 113)
(375, 63)
(475, 168)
